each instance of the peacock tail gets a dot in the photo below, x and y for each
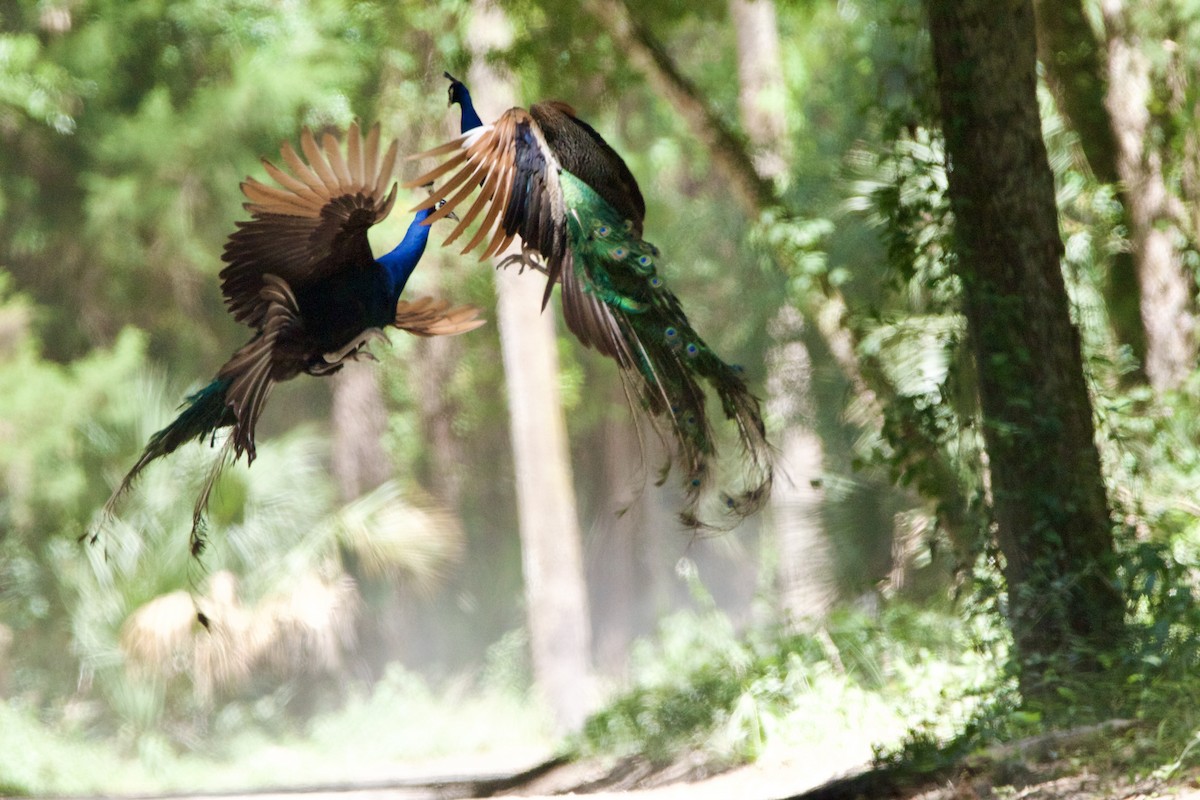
(545, 175)
(203, 413)
(664, 359)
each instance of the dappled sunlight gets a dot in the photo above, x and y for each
(896, 481)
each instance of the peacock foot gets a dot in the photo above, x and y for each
(528, 257)
(353, 351)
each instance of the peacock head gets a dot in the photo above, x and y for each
(459, 94)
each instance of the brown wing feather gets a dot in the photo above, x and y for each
(516, 173)
(516, 169)
(429, 317)
(313, 224)
(255, 368)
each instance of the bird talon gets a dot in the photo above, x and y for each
(528, 257)
(352, 350)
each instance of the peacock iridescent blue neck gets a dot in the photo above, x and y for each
(470, 118)
(402, 260)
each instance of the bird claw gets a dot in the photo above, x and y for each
(352, 350)
(528, 257)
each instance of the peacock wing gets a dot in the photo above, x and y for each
(516, 176)
(314, 224)
(426, 316)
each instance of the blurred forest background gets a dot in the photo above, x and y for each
(366, 578)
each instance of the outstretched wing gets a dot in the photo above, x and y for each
(429, 317)
(516, 174)
(314, 225)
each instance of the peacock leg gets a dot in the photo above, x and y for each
(351, 351)
(528, 257)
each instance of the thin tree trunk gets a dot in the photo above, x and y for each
(1076, 71)
(614, 546)
(1074, 68)
(805, 560)
(761, 90)
(805, 563)
(360, 464)
(753, 191)
(1167, 311)
(359, 418)
(555, 593)
(433, 363)
(1049, 501)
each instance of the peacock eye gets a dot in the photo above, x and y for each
(645, 261)
(602, 231)
(670, 333)
(620, 253)
(692, 350)
(656, 282)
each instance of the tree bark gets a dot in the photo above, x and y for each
(761, 90)
(614, 545)
(359, 419)
(432, 368)
(1167, 311)
(1074, 68)
(1076, 72)
(805, 563)
(1049, 501)
(555, 594)
(752, 190)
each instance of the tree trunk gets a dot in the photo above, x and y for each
(1049, 501)
(761, 90)
(613, 548)
(432, 368)
(555, 594)
(1167, 311)
(1074, 68)
(805, 563)
(359, 464)
(359, 419)
(1077, 74)
(805, 559)
(750, 188)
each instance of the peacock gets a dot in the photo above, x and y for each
(547, 176)
(300, 273)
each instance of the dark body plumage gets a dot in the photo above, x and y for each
(548, 177)
(300, 273)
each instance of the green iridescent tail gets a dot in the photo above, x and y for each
(203, 414)
(666, 362)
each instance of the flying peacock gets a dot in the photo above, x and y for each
(301, 274)
(547, 176)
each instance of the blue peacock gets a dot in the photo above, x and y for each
(547, 176)
(300, 273)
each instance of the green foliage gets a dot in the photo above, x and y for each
(404, 718)
(700, 686)
(36, 761)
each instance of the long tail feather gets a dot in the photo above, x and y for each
(666, 363)
(203, 413)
